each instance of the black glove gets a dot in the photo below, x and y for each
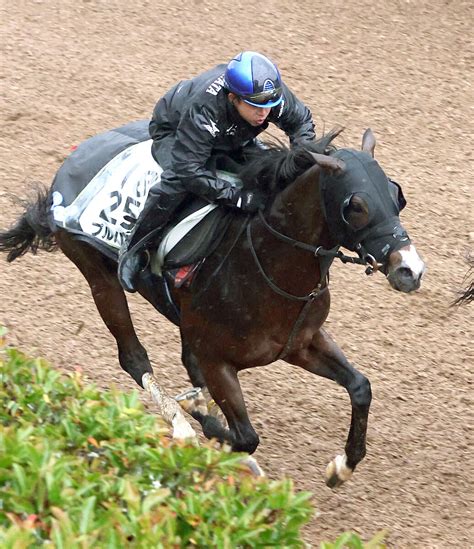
(249, 201)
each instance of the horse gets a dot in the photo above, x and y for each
(262, 293)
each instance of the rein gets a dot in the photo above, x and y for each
(308, 297)
(319, 251)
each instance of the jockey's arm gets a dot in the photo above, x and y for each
(195, 138)
(294, 118)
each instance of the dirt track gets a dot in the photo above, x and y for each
(74, 68)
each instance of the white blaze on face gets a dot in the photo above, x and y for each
(411, 260)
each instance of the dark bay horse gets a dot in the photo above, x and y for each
(262, 294)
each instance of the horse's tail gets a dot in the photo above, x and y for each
(31, 231)
(467, 294)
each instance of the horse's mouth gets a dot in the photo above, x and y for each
(405, 270)
(404, 280)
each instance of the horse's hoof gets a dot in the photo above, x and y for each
(337, 471)
(214, 411)
(182, 430)
(192, 400)
(253, 466)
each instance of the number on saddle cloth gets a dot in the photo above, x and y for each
(101, 188)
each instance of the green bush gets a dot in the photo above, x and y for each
(84, 468)
(80, 468)
(349, 540)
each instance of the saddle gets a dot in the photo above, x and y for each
(195, 233)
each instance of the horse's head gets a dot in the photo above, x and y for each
(362, 209)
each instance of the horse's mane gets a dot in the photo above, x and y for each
(274, 168)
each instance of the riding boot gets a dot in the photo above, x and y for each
(155, 215)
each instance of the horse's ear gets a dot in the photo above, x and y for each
(368, 142)
(328, 162)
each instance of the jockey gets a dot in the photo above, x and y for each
(221, 111)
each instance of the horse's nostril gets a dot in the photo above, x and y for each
(404, 272)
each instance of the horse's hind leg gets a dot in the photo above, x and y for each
(109, 297)
(111, 304)
(324, 358)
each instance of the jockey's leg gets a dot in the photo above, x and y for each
(160, 205)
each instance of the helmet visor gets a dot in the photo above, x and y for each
(264, 98)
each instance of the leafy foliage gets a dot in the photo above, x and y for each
(350, 540)
(82, 468)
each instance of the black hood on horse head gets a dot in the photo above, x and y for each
(363, 177)
(272, 170)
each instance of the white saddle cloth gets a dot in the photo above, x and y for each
(109, 205)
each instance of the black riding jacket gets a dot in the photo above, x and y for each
(198, 118)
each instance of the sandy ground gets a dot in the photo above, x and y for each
(73, 68)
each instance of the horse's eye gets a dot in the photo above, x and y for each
(355, 213)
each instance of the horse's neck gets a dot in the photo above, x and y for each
(296, 213)
(297, 210)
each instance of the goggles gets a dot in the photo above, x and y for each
(263, 97)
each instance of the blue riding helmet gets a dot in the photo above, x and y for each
(255, 79)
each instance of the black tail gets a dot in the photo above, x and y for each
(466, 295)
(31, 231)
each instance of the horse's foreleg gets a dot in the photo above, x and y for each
(224, 387)
(324, 358)
(112, 305)
(197, 401)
